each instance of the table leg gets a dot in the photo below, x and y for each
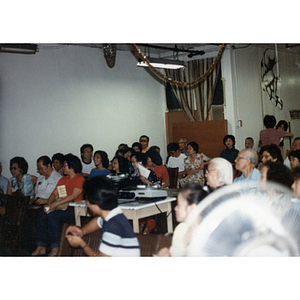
(169, 218)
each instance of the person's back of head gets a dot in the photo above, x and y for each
(101, 191)
(279, 173)
(269, 121)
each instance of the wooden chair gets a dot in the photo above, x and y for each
(173, 174)
(12, 224)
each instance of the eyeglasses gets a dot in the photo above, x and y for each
(14, 168)
(87, 151)
(211, 170)
(240, 157)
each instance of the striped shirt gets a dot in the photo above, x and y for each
(118, 238)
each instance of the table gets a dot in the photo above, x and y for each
(133, 211)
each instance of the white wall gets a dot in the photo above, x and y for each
(59, 99)
(244, 98)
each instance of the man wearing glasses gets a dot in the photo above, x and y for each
(246, 163)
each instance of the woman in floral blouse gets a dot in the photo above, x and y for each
(194, 165)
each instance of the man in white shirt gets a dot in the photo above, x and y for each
(295, 146)
(47, 181)
(87, 162)
(176, 159)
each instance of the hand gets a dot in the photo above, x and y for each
(164, 252)
(41, 201)
(75, 241)
(74, 230)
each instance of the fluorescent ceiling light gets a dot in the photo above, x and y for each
(162, 63)
(18, 48)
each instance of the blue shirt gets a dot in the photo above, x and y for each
(96, 172)
(253, 176)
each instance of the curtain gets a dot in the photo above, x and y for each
(198, 97)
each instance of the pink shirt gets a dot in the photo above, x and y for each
(271, 136)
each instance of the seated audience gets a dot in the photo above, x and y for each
(183, 146)
(101, 162)
(58, 163)
(20, 180)
(144, 141)
(187, 199)
(154, 162)
(230, 153)
(218, 173)
(4, 182)
(246, 162)
(138, 158)
(296, 183)
(276, 173)
(176, 159)
(117, 236)
(57, 209)
(295, 146)
(137, 147)
(294, 157)
(270, 135)
(46, 182)
(120, 165)
(271, 152)
(194, 165)
(86, 151)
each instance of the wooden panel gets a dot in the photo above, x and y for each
(207, 134)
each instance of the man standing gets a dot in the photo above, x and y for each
(246, 162)
(86, 151)
(295, 146)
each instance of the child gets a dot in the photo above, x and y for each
(187, 199)
(294, 157)
(117, 236)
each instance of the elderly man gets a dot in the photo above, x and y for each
(183, 146)
(46, 182)
(295, 146)
(219, 173)
(246, 162)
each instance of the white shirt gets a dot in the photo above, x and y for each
(287, 162)
(87, 168)
(45, 187)
(175, 162)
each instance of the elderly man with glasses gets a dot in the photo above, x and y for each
(246, 162)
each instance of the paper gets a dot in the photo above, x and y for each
(62, 192)
(143, 171)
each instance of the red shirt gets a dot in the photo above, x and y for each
(271, 136)
(161, 171)
(76, 182)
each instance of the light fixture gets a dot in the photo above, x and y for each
(162, 63)
(18, 48)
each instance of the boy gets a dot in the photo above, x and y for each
(117, 236)
(176, 159)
